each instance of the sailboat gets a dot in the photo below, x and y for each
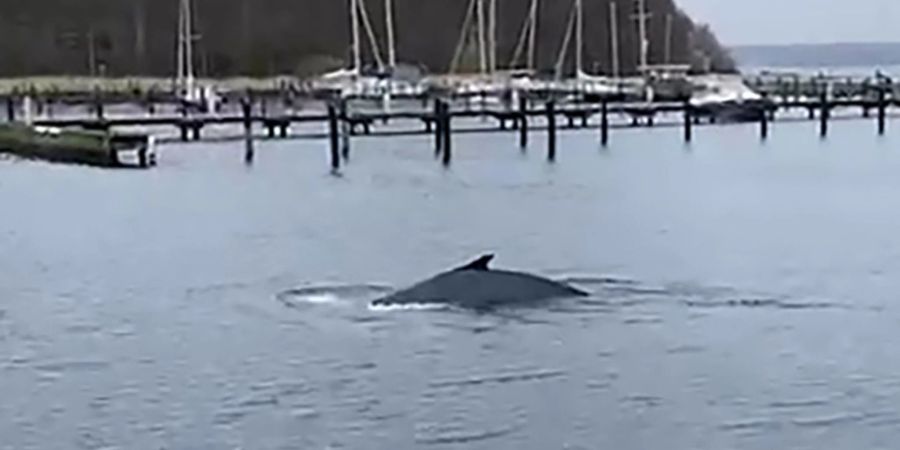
(188, 90)
(382, 81)
(582, 82)
(726, 98)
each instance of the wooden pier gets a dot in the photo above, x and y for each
(339, 117)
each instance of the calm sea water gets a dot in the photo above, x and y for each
(744, 296)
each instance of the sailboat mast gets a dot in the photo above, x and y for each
(179, 56)
(642, 31)
(185, 53)
(492, 35)
(389, 24)
(614, 38)
(189, 46)
(669, 38)
(482, 50)
(532, 35)
(354, 32)
(579, 38)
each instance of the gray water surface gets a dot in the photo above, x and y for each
(743, 296)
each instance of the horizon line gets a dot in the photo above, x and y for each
(812, 44)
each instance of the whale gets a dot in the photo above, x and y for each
(479, 287)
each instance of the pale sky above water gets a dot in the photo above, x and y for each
(798, 21)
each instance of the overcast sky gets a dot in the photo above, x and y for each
(798, 21)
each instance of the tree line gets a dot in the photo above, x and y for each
(269, 37)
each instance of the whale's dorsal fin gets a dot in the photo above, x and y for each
(479, 264)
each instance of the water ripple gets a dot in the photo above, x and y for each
(644, 401)
(466, 437)
(751, 425)
(642, 320)
(830, 420)
(588, 280)
(500, 379)
(73, 366)
(801, 403)
(685, 349)
(763, 303)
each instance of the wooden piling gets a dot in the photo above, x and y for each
(183, 123)
(100, 110)
(688, 122)
(523, 123)
(551, 131)
(824, 115)
(142, 158)
(438, 127)
(447, 131)
(345, 130)
(604, 123)
(882, 111)
(97, 100)
(764, 121)
(334, 138)
(11, 108)
(246, 110)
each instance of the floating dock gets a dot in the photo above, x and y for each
(78, 146)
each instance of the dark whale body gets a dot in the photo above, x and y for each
(477, 286)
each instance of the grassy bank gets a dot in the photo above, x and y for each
(127, 84)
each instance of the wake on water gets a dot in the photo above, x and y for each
(334, 294)
(611, 291)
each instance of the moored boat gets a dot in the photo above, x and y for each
(78, 146)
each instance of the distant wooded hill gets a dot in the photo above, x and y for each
(819, 55)
(267, 37)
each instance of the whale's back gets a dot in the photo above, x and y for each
(482, 289)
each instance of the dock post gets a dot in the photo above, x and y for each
(604, 122)
(11, 108)
(688, 122)
(100, 110)
(98, 104)
(345, 130)
(823, 116)
(183, 123)
(447, 130)
(246, 110)
(142, 157)
(764, 123)
(882, 111)
(334, 138)
(438, 125)
(551, 131)
(523, 123)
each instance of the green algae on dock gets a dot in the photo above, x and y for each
(77, 146)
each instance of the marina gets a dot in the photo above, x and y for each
(285, 111)
(372, 97)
